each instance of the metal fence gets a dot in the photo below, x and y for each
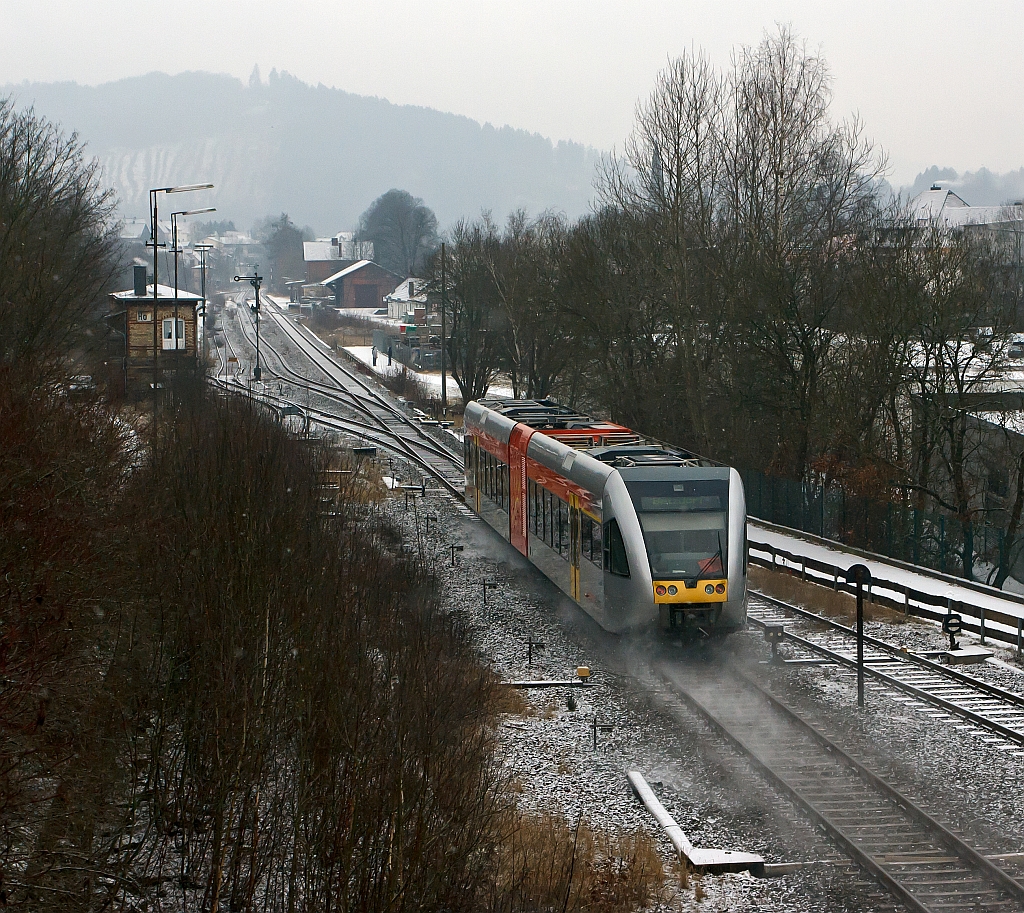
(927, 538)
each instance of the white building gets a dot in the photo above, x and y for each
(404, 300)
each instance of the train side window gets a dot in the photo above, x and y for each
(615, 561)
(563, 528)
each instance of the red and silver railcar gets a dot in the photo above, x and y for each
(639, 533)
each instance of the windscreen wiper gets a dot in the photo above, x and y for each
(708, 563)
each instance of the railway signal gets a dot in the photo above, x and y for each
(457, 548)
(952, 625)
(774, 634)
(860, 576)
(254, 280)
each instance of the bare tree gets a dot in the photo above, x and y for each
(474, 337)
(58, 247)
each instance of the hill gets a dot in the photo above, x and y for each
(318, 153)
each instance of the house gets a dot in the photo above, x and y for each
(946, 209)
(176, 328)
(326, 256)
(364, 284)
(404, 300)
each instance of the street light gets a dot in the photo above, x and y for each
(155, 241)
(254, 280)
(174, 244)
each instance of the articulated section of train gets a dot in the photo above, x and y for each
(639, 533)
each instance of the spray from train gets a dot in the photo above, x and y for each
(637, 532)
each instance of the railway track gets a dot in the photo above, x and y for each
(366, 412)
(925, 865)
(981, 704)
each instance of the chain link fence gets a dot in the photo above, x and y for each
(927, 538)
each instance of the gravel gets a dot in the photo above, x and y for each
(712, 791)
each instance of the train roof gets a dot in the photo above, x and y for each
(608, 442)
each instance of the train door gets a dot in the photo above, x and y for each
(575, 545)
(474, 467)
(518, 488)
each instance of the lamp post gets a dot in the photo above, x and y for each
(174, 244)
(155, 241)
(203, 248)
(254, 280)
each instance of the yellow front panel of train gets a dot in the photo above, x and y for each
(704, 591)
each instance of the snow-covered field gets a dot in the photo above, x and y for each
(430, 379)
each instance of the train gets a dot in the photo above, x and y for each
(640, 534)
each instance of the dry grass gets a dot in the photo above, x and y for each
(839, 606)
(512, 702)
(547, 863)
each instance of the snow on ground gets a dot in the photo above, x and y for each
(549, 753)
(430, 379)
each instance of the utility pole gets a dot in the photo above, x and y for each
(444, 360)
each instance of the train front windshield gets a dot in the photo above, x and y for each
(684, 526)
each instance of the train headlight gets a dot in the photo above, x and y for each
(720, 588)
(660, 590)
(672, 591)
(709, 589)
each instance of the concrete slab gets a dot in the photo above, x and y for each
(703, 860)
(966, 655)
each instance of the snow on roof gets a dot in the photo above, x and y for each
(134, 229)
(932, 204)
(348, 270)
(163, 291)
(945, 207)
(319, 250)
(402, 292)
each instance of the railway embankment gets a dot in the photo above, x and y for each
(524, 629)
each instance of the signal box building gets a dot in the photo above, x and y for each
(178, 330)
(364, 284)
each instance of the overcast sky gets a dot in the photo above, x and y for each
(934, 82)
